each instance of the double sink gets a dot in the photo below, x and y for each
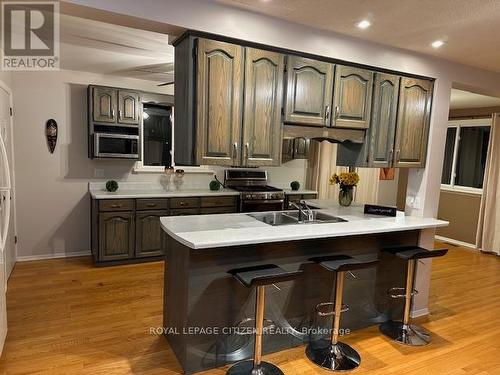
(295, 217)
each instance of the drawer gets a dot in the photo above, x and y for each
(116, 205)
(152, 204)
(184, 202)
(309, 196)
(184, 211)
(218, 201)
(218, 210)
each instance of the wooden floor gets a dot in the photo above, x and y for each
(68, 317)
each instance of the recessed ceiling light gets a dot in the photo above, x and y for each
(364, 24)
(437, 43)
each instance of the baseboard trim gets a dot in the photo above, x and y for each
(27, 258)
(456, 242)
(419, 312)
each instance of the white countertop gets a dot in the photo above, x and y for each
(132, 190)
(159, 193)
(208, 231)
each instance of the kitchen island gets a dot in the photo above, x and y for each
(207, 312)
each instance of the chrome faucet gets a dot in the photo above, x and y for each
(304, 210)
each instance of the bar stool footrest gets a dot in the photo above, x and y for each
(400, 292)
(247, 368)
(322, 305)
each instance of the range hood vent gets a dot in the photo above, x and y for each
(334, 135)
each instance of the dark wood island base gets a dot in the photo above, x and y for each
(208, 315)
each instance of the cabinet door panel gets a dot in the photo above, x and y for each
(104, 104)
(352, 98)
(220, 92)
(263, 100)
(128, 107)
(383, 126)
(412, 130)
(116, 235)
(150, 238)
(309, 91)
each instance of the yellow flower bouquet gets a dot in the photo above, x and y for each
(346, 180)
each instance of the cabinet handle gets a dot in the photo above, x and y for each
(112, 113)
(247, 148)
(327, 113)
(337, 112)
(398, 152)
(235, 150)
(151, 205)
(116, 206)
(119, 114)
(391, 155)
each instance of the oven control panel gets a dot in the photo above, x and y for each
(263, 196)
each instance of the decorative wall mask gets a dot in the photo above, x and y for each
(51, 134)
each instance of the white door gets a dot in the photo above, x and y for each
(6, 243)
(6, 134)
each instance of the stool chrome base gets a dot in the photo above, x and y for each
(334, 357)
(410, 334)
(247, 368)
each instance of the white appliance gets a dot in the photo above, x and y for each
(5, 196)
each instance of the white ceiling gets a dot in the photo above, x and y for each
(469, 27)
(466, 99)
(99, 47)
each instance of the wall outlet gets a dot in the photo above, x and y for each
(99, 173)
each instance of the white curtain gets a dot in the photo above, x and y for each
(488, 231)
(322, 165)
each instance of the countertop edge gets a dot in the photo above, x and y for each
(435, 224)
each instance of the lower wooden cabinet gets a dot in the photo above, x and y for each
(116, 235)
(129, 230)
(149, 237)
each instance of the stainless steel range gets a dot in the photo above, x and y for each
(255, 194)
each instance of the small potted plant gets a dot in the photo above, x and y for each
(347, 181)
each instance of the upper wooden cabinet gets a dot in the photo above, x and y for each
(262, 115)
(415, 96)
(112, 106)
(104, 101)
(219, 102)
(228, 79)
(352, 97)
(398, 133)
(235, 104)
(128, 107)
(309, 91)
(383, 127)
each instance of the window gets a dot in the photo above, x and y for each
(465, 154)
(157, 135)
(157, 146)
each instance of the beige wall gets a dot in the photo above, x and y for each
(52, 201)
(462, 211)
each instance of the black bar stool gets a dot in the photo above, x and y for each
(404, 332)
(259, 277)
(336, 355)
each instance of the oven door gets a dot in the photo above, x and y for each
(262, 205)
(121, 146)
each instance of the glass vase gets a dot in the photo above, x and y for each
(345, 196)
